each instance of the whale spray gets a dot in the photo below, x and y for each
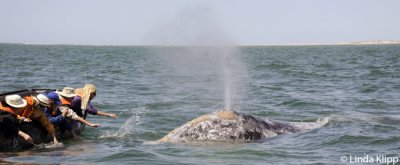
(207, 50)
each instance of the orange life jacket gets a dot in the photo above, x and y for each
(7, 109)
(30, 103)
(64, 101)
(79, 92)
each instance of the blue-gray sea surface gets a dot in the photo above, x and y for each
(156, 89)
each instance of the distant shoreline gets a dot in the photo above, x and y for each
(372, 42)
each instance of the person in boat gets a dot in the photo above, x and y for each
(66, 96)
(82, 105)
(34, 110)
(14, 104)
(59, 115)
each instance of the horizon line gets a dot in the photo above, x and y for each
(369, 42)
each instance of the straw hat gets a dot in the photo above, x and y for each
(67, 92)
(43, 100)
(15, 101)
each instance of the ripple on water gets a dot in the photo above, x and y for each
(355, 85)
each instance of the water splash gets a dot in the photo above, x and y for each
(129, 126)
(312, 125)
(50, 145)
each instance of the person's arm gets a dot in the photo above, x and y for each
(90, 109)
(94, 111)
(86, 122)
(56, 119)
(23, 119)
(72, 115)
(46, 123)
(25, 136)
(100, 113)
(53, 119)
(76, 105)
(11, 122)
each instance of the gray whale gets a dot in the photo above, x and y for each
(234, 126)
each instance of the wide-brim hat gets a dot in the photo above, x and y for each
(43, 100)
(15, 101)
(67, 92)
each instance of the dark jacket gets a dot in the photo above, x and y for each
(57, 119)
(8, 124)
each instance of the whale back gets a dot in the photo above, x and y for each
(228, 126)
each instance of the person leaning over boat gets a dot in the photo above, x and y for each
(59, 115)
(81, 104)
(34, 110)
(66, 96)
(14, 104)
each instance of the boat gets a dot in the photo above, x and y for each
(34, 128)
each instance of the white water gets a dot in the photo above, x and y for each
(312, 125)
(128, 127)
(50, 145)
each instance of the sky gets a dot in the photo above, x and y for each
(191, 22)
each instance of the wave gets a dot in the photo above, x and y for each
(312, 125)
(50, 145)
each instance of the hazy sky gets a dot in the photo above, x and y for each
(241, 22)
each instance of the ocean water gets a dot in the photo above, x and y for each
(155, 89)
